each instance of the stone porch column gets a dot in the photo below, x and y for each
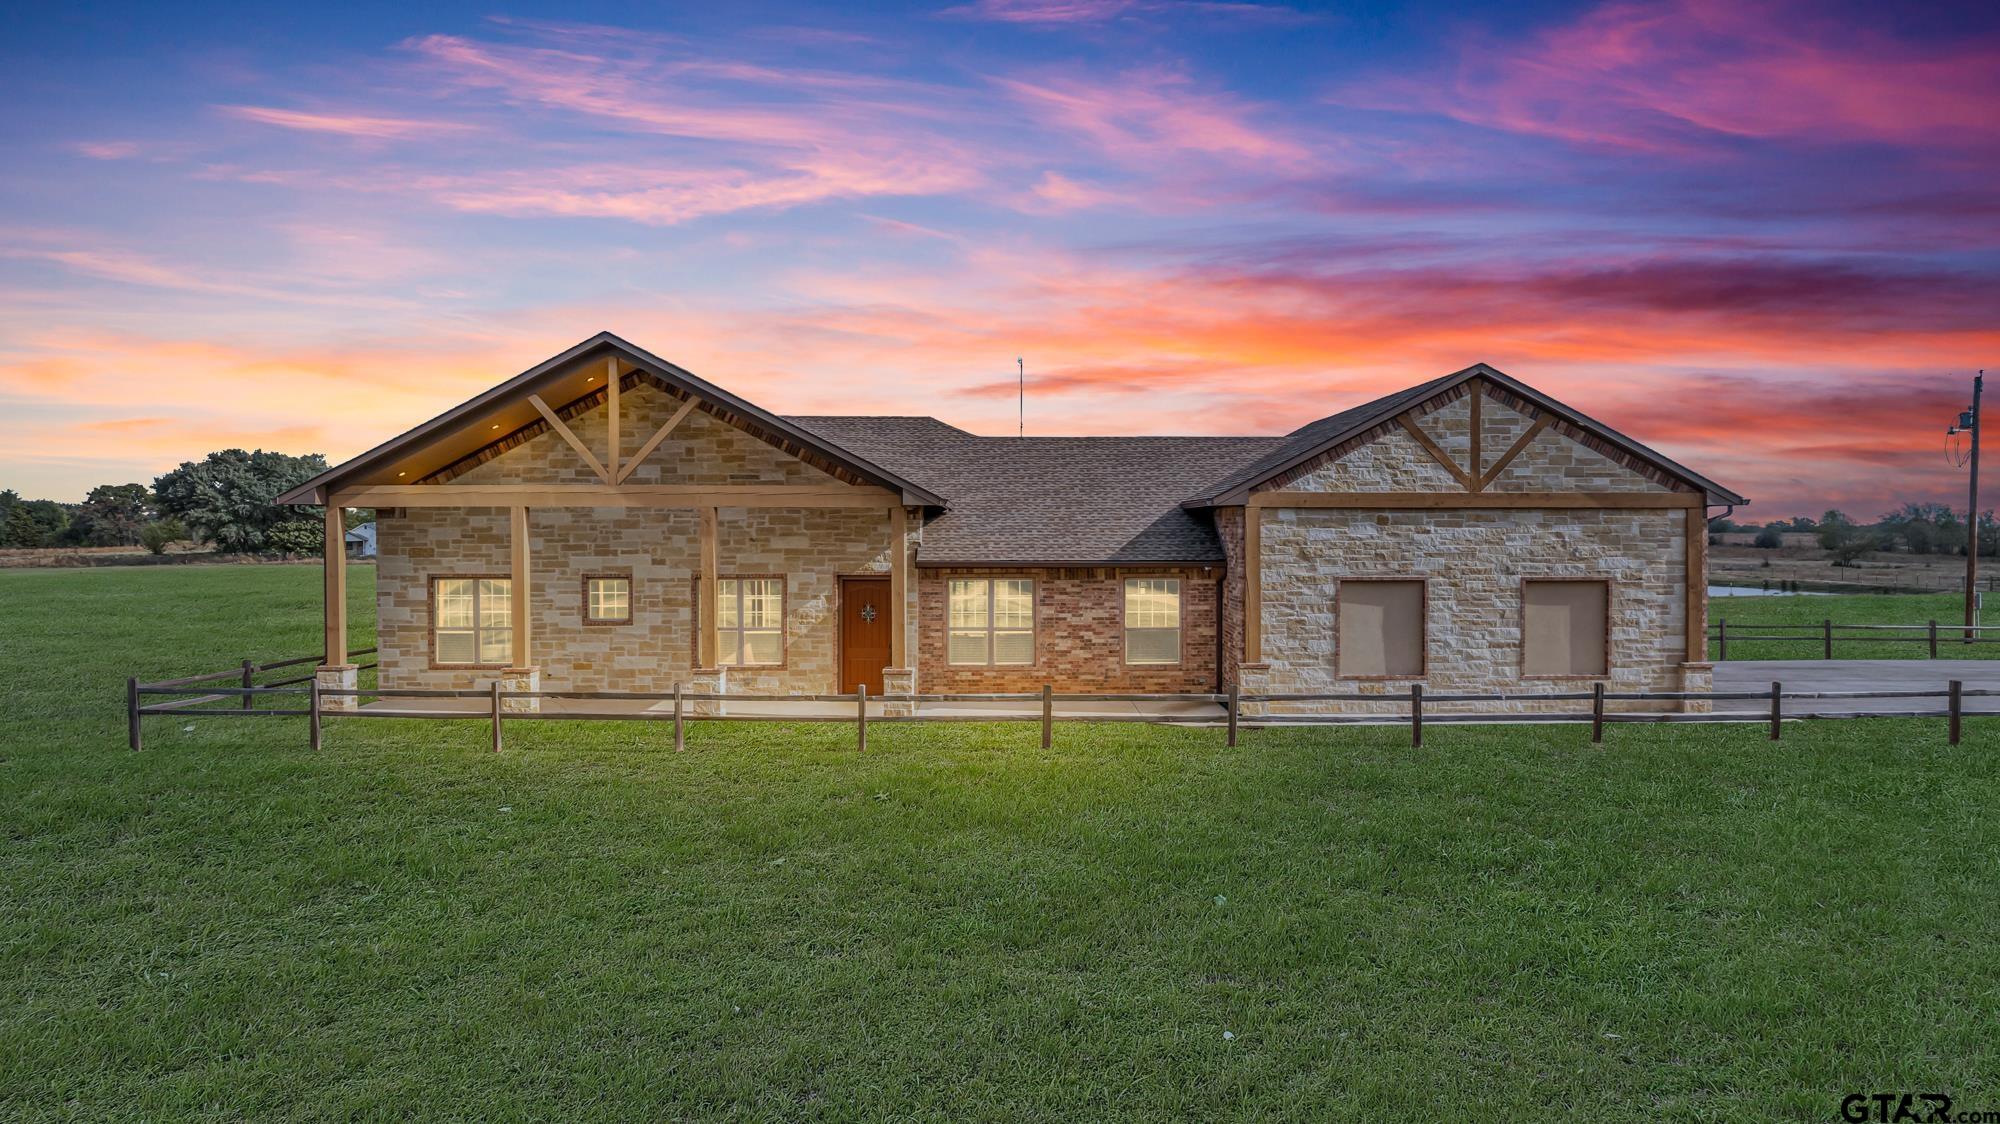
(521, 679)
(706, 681)
(1697, 677)
(899, 681)
(338, 677)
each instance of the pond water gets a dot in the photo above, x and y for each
(1755, 591)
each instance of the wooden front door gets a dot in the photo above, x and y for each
(866, 618)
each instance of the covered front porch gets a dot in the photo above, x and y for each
(501, 523)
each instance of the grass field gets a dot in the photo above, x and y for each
(1691, 923)
(1746, 615)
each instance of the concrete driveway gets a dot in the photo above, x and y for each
(1857, 675)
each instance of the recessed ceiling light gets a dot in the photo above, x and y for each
(402, 474)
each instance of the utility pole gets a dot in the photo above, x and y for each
(1972, 520)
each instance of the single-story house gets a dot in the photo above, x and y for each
(361, 540)
(608, 521)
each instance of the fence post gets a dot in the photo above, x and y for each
(312, 716)
(132, 713)
(1597, 712)
(1416, 716)
(1234, 706)
(1933, 639)
(1048, 716)
(496, 716)
(1829, 637)
(1957, 709)
(1722, 632)
(1777, 709)
(680, 727)
(861, 717)
(249, 669)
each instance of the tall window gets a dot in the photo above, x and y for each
(1152, 620)
(992, 622)
(1565, 628)
(472, 621)
(750, 621)
(607, 599)
(1380, 630)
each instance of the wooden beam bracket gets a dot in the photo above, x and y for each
(556, 423)
(658, 436)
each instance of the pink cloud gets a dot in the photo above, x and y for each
(1060, 12)
(346, 124)
(1147, 117)
(1665, 75)
(107, 150)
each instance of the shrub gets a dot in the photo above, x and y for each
(160, 534)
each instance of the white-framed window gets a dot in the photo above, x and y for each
(1152, 620)
(991, 622)
(607, 599)
(750, 622)
(472, 622)
(1379, 628)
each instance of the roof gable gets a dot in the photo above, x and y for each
(504, 417)
(1331, 437)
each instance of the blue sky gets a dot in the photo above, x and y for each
(1760, 236)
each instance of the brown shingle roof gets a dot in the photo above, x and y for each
(1051, 500)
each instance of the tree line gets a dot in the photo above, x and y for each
(226, 499)
(1915, 528)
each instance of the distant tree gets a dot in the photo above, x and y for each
(1852, 547)
(32, 523)
(1770, 538)
(158, 535)
(1721, 525)
(227, 499)
(112, 515)
(1835, 530)
(296, 536)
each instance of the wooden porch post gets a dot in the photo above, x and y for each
(1697, 585)
(1253, 583)
(899, 584)
(710, 583)
(611, 388)
(523, 633)
(336, 585)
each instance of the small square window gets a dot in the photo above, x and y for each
(607, 599)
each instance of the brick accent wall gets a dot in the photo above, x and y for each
(1229, 527)
(1079, 633)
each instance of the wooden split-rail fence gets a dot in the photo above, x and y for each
(1939, 638)
(201, 696)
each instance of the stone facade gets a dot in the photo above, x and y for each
(657, 548)
(1079, 633)
(1473, 561)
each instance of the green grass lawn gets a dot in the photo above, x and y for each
(1747, 615)
(1690, 923)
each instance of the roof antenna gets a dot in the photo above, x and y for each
(1021, 393)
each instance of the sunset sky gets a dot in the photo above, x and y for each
(1764, 238)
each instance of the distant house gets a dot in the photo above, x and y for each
(361, 541)
(606, 520)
